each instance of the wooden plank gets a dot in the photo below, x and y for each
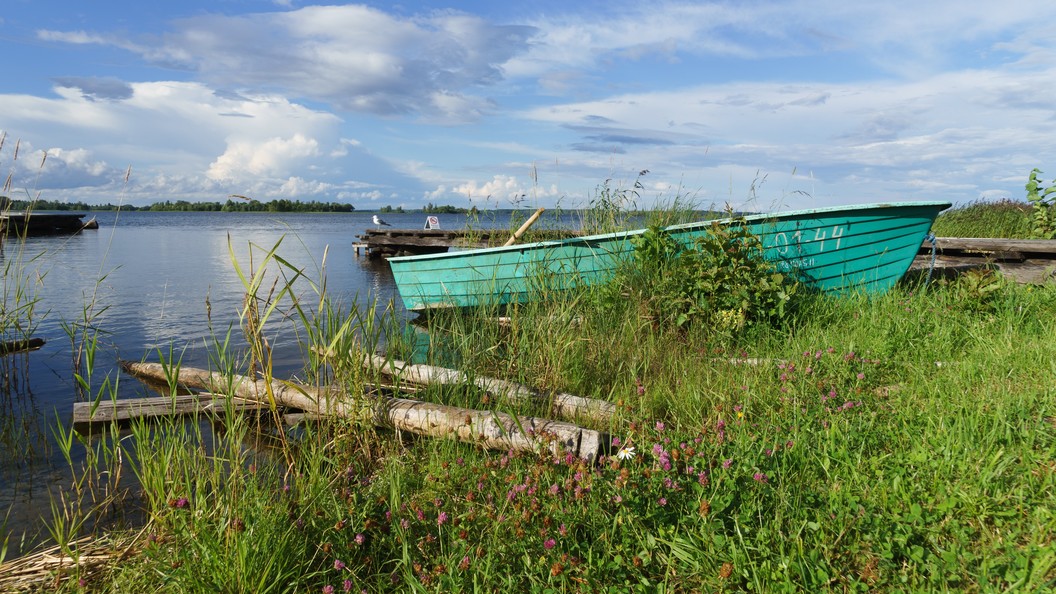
(989, 245)
(155, 407)
(1033, 271)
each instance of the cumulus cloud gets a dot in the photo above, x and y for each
(56, 169)
(500, 190)
(183, 139)
(272, 157)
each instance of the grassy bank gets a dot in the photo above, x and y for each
(899, 443)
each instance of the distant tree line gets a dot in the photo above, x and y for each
(443, 209)
(281, 205)
(240, 205)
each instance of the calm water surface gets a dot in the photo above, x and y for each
(148, 278)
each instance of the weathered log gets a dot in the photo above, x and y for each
(489, 429)
(562, 406)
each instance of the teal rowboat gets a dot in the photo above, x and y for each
(852, 248)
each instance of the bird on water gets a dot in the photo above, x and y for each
(379, 222)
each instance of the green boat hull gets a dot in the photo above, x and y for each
(864, 248)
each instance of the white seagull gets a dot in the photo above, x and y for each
(379, 222)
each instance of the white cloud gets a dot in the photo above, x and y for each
(500, 191)
(270, 158)
(877, 100)
(355, 57)
(297, 187)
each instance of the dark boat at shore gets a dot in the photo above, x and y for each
(27, 224)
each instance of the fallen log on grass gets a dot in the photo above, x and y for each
(563, 406)
(489, 429)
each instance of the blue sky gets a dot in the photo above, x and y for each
(764, 105)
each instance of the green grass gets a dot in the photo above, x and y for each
(1007, 219)
(897, 443)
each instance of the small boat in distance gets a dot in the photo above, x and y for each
(866, 247)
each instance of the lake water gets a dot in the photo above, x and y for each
(157, 281)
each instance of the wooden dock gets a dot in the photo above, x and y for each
(386, 242)
(26, 224)
(1027, 261)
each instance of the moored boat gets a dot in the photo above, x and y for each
(865, 248)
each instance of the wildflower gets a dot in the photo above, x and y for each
(338, 564)
(549, 544)
(464, 563)
(728, 462)
(626, 453)
(563, 530)
(662, 501)
(360, 539)
(328, 589)
(760, 477)
(861, 376)
(615, 442)
(660, 425)
(347, 586)
(179, 503)
(441, 519)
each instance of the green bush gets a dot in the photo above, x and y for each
(1043, 200)
(720, 281)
